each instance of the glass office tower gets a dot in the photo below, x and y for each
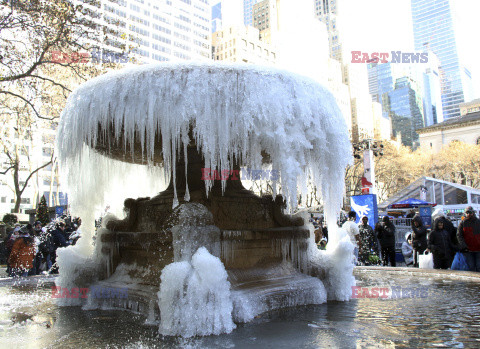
(433, 29)
(247, 11)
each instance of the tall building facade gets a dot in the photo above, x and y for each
(248, 11)
(217, 17)
(148, 31)
(401, 89)
(242, 44)
(265, 19)
(432, 92)
(434, 30)
(327, 11)
(354, 75)
(405, 109)
(33, 146)
(153, 31)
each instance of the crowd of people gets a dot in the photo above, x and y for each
(445, 242)
(31, 249)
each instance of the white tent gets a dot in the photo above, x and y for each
(451, 197)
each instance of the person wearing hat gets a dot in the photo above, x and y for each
(419, 238)
(22, 255)
(440, 244)
(9, 242)
(407, 249)
(468, 236)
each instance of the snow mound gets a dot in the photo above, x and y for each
(195, 298)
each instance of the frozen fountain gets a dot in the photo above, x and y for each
(205, 252)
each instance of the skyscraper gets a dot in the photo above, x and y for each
(217, 17)
(434, 29)
(326, 11)
(406, 111)
(400, 89)
(354, 75)
(247, 11)
(432, 98)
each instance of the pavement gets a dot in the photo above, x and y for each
(436, 272)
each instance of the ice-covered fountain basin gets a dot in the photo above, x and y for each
(447, 317)
(147, 114)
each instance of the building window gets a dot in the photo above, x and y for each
(3, 199)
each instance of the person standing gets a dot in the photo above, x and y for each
(9, 242)
(407, 249)
(419, 238)
(440, 245)
(37, 231)
(468, 236)
(368, 240)
(22, 255)
(386, 235)
(353, 232)
(59, 240)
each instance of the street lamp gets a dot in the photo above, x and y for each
(369, 148)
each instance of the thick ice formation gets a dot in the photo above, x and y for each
(194, 229)
(195, 298)
(233, 111)
(238, 110)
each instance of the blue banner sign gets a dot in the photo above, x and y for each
(426, 216)
(365, 205)
(58, 211)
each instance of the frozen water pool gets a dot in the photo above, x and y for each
(444, 313)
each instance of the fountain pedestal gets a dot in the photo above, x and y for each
(263, 250)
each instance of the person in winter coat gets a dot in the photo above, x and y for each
(368, 240)
(407, 249)
(58, 235)
(9, 242)
(468, 236)
(440, 245)
(46, 248)
(448, 226)
(22, 255)
(353, 233)
(386, 236)
(419, 238)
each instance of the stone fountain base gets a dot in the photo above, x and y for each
(266, 266)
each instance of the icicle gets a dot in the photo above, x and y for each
(185, 145)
